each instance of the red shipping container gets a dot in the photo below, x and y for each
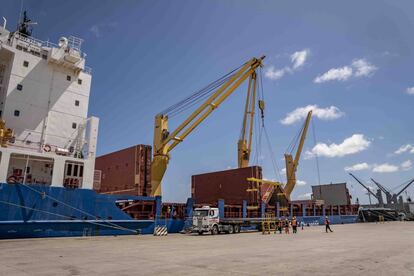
(230, 185)
(127, 171)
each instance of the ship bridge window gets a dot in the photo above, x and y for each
(79, 81)
(29, 169)
(68, 78)
(17, 113)
(74, 125)
(73, 177)
(25, 63)
(76, 103)
(19, 87)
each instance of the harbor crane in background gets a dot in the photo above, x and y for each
(292, 164)
(216, 92)
(387, 193)
(378, 196)
(392, 198)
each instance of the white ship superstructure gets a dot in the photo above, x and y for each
(44, 97)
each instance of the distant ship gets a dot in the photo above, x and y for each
(48, 145)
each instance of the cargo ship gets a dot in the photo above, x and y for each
(48, 145)
(48, 151)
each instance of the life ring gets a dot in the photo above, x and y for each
(11, 179)
(47, 148)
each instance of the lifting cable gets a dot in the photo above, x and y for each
(43, 194)
(198, 96)
(67, 217)
(396, 189)
(316, 154)
(262, 130)
(295, 141)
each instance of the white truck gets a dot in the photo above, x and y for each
(207, 219)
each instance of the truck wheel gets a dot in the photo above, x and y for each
(231, 230)
(236, 228)
(215, 230)
(200, 233)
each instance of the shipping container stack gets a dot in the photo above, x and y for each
(230, 185)
(143, 169)
(126, 171)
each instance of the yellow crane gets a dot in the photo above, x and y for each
(165, 141)
(244, 145)
(292, 165)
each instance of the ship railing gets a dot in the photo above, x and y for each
(35, 41)
(87, 70)
(75, 43)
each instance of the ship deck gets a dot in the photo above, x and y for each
(352, 249)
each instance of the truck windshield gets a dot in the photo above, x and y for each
(200, 213)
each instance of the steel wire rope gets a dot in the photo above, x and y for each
(316, 154)
(194, 95)
(195, 101)
(202, 91)
(272, 155)
(67, 217)
(65, 204)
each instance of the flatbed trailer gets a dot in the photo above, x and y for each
(207, 219)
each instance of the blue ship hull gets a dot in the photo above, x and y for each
(44, 211)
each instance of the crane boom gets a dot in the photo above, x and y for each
(382, 188)
(244, 145)
(164, 141)
(292, 165)
(405, 187)
(362, 184)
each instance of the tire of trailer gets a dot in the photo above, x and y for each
(200, 233)
(236, 228)
(215, 230)
(230, 230)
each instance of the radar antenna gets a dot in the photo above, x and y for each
(25, 25)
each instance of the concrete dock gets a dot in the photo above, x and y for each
(354, 249)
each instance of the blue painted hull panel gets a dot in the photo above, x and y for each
(44, 211)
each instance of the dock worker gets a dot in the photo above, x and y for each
(279, 226)
(287, 226)
(327, 225)
(294, 225)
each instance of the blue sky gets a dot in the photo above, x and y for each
(353, 60)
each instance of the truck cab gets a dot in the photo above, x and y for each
(207, 219)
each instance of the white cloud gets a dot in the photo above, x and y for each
(381, 168)
(300, 182)
(385, 168)
(358, 167)
(358, 68)
(405, 148)
(305, 196)
(95, 30)
(350, 145)
(363, 68)
(300, 113)
(406, 165)
(341, 74)
(273, 73)
(299, 58)
(410, 90)
(98, 29)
